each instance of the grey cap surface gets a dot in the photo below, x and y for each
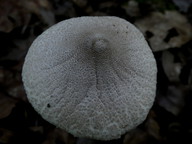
(94, 77)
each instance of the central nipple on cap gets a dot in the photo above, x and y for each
(99, 45)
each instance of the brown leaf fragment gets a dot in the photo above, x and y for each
(59, 135)
(42, 9)
(152, 126)
(18, 13)
(174, 100)
(5, 136)
(80, 3)
(6, 105)
(136, 136)
(12, 15)
(168, 30)
(171, 69)
(11, 83)
(132, 8)
(17, 91)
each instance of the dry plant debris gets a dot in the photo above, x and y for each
(167, 27)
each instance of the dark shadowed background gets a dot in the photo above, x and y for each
(167, 26)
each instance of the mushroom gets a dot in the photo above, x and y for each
(94, 77)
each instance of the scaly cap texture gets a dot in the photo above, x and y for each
(94, 77)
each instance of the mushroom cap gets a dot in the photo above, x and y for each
(94, 77)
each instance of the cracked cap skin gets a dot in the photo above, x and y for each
(94, 77)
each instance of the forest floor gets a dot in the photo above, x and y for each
(167, 26)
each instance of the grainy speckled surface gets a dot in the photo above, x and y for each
(92, 76)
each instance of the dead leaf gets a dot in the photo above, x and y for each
(37, 129)
(165, 31)
(65, 9)
(5, 136)
(12, 85)
(152, 126)
(16, 90)
(171, 69)
(42, 9)
(6, 105)
(59, 135)
(183, 5)
(174, 100)
(132, 8)
(65, 137)
(12, 15)
(136, 136)
(18, 13)
(80, 3)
